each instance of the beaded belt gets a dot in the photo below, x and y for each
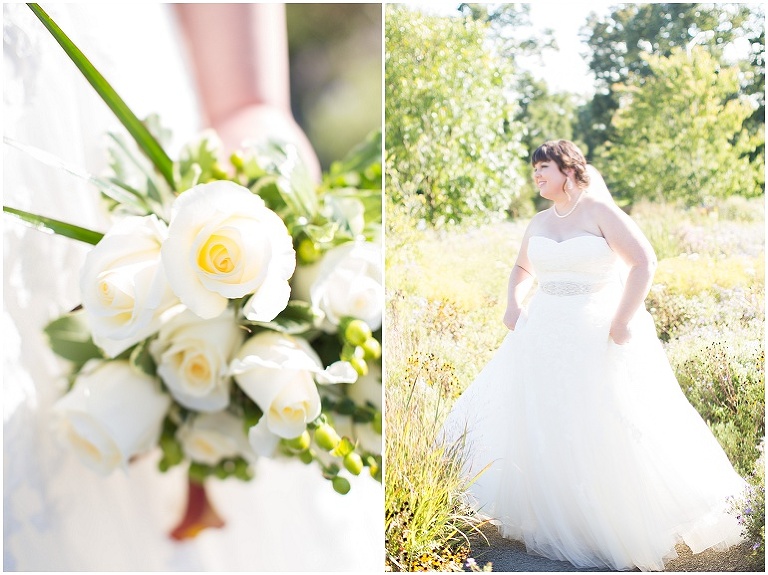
(569, 288)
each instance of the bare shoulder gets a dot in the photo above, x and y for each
(535, 223)
(606, 213)
(599, 206)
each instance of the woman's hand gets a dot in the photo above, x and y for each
(239, 54)
(511, 316)
(620, 332)
(260, 123)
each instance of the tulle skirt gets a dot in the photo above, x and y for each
(589, 451)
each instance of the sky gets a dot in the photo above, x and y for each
(565, 69)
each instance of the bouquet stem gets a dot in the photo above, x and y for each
(199, 513)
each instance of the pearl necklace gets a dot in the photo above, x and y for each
(569, 211)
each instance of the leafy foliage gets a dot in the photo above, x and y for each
(510, 28)
(621, 41)
(679, 133)
(724, 380)
(452, 150)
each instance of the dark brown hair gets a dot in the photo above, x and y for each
(567, 156)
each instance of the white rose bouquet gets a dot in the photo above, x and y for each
(227, 312)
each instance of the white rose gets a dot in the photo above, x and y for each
(211, 437)
(112, 413)
(346, 282)
(193, 356)
(224, 243)
(278, 372)
(125, 293)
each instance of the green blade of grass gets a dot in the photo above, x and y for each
(112, 189)
(50, 225)
(135, 127)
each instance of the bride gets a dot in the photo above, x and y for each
(57, 514)
(595, 455)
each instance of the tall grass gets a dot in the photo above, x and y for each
(427, 521)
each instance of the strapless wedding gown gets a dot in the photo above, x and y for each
(57, 514)
(596, 457)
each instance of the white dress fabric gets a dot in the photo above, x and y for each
(596, 457)
(57, 514)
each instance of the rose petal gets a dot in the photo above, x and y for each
(269, 300)
(262, 441)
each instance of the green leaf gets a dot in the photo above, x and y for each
(70, 338)
(133, 172)
(202, 157)
(135, 127)
(142, 359)
(361, 168)
(291, 177)
(50, 225)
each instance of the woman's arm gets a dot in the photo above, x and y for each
(519, 284)
(627, 240)
(239, 53)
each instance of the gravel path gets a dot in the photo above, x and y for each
(510, 556)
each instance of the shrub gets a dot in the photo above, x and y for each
(677, 315)
(724, 380)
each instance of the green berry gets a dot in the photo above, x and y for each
(326, 437)
(357, 332)
(353, 463)
(340, 485)
(371, 348)
(307, 251)
(360, 366)
(237, 160)
(300, 443)
(306, 457)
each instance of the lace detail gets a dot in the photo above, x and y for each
(569, 288)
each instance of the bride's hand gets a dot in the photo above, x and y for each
(260, 122)
(510, 318)
(620, 333)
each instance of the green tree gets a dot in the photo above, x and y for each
(679, 133)
(453, 150)
(510, 27)
(543, 115)
(620, 42)
(753, 72)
